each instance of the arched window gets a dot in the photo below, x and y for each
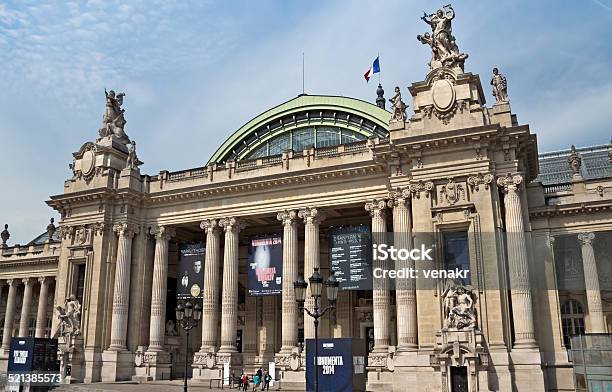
(572, 320)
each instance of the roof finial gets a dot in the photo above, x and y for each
(380, 100)
(5, 235)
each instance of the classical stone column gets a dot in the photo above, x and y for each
(290, 273)
(24, 323)
(381, 295)
(312, 219)
(158, 295)
(41, 313)
(9, 317)
(210, 307)
(405, 291)
(229, 298)
(518, 266)
(121, 293)
(591, 281)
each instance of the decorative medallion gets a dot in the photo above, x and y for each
(88, 162)
(443, 95)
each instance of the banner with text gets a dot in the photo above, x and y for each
(190, 271)
(265, 265)
(350, 250)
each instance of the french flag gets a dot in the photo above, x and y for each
(375, 68)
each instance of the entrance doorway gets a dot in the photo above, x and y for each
(459, 381)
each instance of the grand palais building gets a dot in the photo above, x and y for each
(534, 229)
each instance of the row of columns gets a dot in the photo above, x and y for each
(24, 323)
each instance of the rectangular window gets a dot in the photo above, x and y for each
(80, 282)
(457, 253)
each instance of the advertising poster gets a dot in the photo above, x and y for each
(341, 365)
(265, 265)
(190, 271)
(350, 250)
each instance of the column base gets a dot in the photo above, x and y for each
(117, 366)
(152, 365)
(4, 356)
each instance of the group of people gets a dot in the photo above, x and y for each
(261, 379)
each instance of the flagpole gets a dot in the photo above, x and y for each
(380, 69)
(303, 72)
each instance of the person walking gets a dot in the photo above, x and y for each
(266, 381)
(256, 381)
(245, 382)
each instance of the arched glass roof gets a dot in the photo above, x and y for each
(308, 120)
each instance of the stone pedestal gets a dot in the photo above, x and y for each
(72, 360)
(152, 366)
(117, 366)
(290, 371)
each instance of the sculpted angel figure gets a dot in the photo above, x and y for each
(113, 120)
(398, 106)
(500, 86)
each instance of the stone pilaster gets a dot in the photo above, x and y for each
(518, 266)
(229, 298)
(405, 291)
(121, 293)
(158, 294)
(290, 273)
(41, 313)
(24, 323)
(381, 294)
(210, 307)
(591, 281)
(9, 316)
(312, 219)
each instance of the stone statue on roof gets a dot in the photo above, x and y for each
(445, 52)
(398, 107)
(113, 120)
(500, 87)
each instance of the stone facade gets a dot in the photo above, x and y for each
(455, 165)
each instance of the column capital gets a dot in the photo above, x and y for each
(28, 281)
(509, 182)
(210, 225)
(288, 217)
(10, 282)
(586, 239)
(126, 229)
(311, 215)
(163, 232)
(232, 224)
(376, 207)
(44, 279)
(399, 197)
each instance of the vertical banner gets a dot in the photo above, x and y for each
(350, 251)
(265, 265)
(190, 271)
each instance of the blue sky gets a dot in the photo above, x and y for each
(194, 72)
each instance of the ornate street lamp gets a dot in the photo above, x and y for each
(187, 316)
(316, 286)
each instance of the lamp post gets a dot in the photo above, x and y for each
(316, 286)
(187, 316)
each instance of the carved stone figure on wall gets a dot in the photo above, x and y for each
(500, 87)
(171, 328)
(575, 162)
(459, 307)
(69, 317)
(398, 106)
(445, 52)
(113, 120)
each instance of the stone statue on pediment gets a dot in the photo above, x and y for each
(500, 87)
(113, 120)
(445, 52)
(132, 161)
(398, 107)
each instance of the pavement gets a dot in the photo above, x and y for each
(156, 386)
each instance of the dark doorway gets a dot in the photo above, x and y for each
(459, 381)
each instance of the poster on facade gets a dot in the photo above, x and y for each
(340, 365)
(265, 265)
(350, 252)
(190, 271)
